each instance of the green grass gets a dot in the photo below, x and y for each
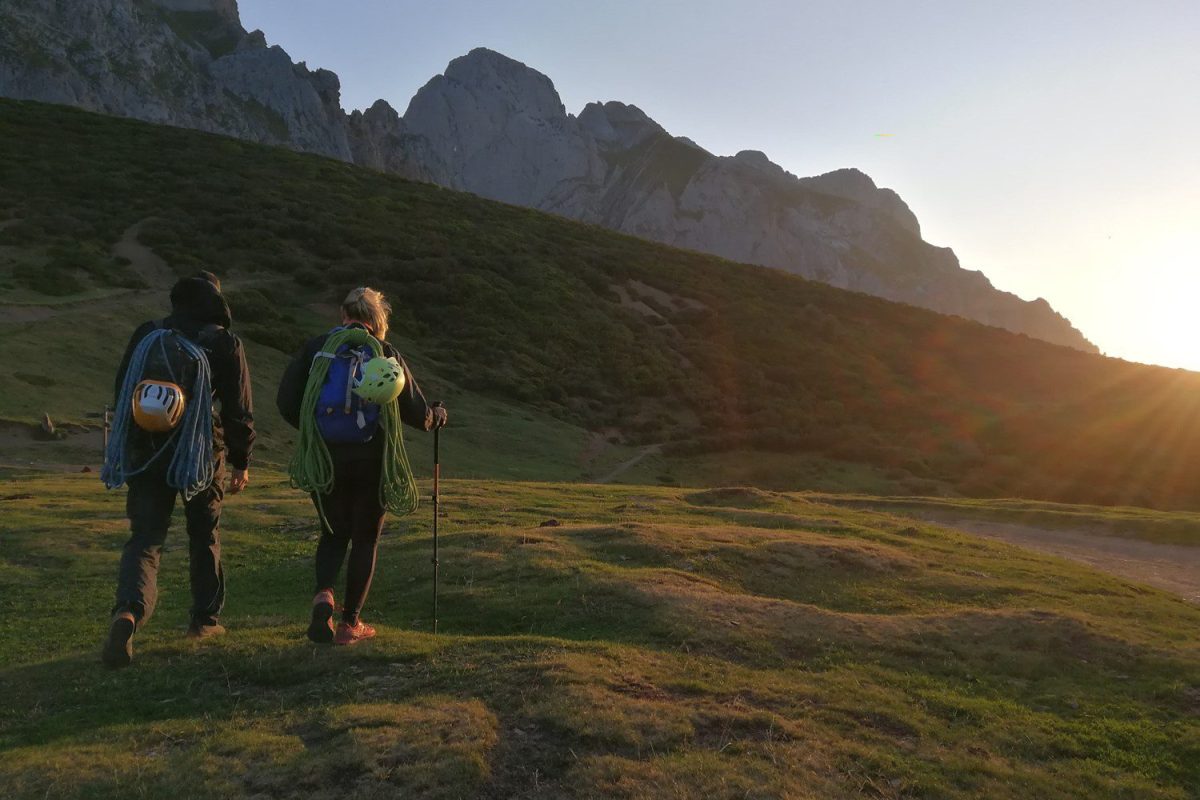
(754, 373)
(1182, 527)
(658, 643)
(781, 472)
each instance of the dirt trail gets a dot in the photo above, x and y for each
(1175, 568)
(625, 466)
(145, 262)
(142, 259)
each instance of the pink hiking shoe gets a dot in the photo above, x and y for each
(347, 634)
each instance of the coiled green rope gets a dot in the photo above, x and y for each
(311, 467)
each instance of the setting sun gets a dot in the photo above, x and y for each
(1162, 323)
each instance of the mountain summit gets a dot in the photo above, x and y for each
(495, 127)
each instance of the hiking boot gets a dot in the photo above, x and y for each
(204, 630)
(320, 629)
(118, 646)
(349, 634)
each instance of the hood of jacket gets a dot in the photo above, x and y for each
(197, 300)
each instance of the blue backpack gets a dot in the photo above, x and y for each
(342, 416)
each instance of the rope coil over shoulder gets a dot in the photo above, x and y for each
(191, 468)
(311, 467)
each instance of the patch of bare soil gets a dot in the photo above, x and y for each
(1175, 568)
(633, 296)
(145, 262)
(630, 302)
(21, 447)
(19, 315)
(621, 469)
(673, 301)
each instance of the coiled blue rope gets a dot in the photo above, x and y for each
(191, 468)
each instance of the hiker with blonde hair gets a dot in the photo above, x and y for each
(347, 392)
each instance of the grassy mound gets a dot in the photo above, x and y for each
(742, 374)
(648, 646)
(737, 496)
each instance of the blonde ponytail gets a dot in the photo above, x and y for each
(369, 307)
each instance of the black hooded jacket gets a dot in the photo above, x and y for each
(200, 312)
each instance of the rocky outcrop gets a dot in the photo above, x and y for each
(854, 185)
(493, 126)
(379, 139)
(187, 63)
(499, 130)
(225, 9)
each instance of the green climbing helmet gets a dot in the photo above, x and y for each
(382, 381)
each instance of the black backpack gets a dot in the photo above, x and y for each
(169, 361)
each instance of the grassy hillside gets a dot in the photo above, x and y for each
(658, 643)
(733, 370)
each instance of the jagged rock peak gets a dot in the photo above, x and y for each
(226, 9)
(524, 89)
(493, 126)
(380, 111)
(849, 178)
(856, 185)
(690, 143)
(254, 40)
(756, 159)
(326, 82)
(618, 123)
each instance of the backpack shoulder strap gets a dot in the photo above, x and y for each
(324, 351)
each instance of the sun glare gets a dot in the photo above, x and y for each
(1163, 320)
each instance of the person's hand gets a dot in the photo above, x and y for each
(439, 416)
(238, 480)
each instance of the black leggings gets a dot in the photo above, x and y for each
(354, 519)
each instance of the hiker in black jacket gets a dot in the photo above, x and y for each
(201, 314)
(353, 515)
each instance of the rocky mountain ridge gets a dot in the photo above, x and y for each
(497, 128)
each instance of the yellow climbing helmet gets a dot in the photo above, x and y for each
(158, 406)
(382, 380)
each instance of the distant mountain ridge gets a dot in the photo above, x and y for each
(497, 128)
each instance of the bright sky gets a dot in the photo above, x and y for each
(1052, 144)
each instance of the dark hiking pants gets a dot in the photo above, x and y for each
(354, 520)
(149, 505)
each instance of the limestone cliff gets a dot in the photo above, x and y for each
(495, 127)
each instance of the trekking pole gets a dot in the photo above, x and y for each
(437, 470)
